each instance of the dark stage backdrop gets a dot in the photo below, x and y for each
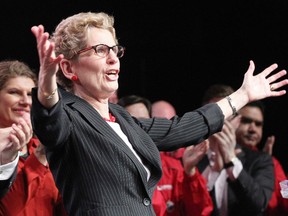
(175, 49)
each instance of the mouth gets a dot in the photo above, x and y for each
(21, 111)
(251, 138)
(113, 75)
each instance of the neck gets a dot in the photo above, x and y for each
(101, 105)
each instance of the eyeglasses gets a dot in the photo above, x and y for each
(102, 50)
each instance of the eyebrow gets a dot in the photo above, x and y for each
(248, 120)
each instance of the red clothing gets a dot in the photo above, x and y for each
(178, 194)
(34, 191)
(177, 154)
(277, 204)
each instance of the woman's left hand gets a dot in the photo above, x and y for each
(264, 84)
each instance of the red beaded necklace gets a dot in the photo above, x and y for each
(111, 118)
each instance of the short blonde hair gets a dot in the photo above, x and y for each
(70, 36)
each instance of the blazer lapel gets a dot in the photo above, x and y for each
(147, 150)
(91, 116)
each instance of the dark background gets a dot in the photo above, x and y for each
(174, 49)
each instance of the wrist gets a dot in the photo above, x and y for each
(6, 157)
(48, 95)
(230, 163)
(191, 171)
(232, 105)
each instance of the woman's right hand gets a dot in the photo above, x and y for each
(48, 60)
(49, 64)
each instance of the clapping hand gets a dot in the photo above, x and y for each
(14, 138)
(269, 144)
(192, 155)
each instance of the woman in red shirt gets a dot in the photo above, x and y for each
(34, 191)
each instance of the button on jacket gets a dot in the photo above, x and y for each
(95, 171)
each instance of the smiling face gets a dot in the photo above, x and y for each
(98, 76)
(15, 100)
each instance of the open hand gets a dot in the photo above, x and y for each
(264, 84)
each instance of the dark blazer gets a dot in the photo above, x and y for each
(249, 195)
(95, 171)
(6, 184)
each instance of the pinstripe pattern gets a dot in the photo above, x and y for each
(95, 170)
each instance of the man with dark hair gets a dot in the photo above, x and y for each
(249, 134)
(240, 180)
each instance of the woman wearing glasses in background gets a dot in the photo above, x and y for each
(104, 161)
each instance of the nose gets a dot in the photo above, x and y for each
(252, 126)
(112, 57)
(26, 100)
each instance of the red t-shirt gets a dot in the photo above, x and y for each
(178, 194)
(34, 191)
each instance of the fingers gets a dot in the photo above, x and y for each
(26, 128)
(251, 67)
(275, 77)
(51, 53)
(42, 40)
(204, 146)
(15, 142)
(38, 32)
(235, 121)
(17, 136)
(44, 48)
(26, 117)
(35, 30)
(21, 134)
(268, 147)
(46, 51)
(277, 85)
(269, 69)
(193, 154)
(40, 149)
(199, 149)
(226, 139)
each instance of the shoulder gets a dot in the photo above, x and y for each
(254, 156)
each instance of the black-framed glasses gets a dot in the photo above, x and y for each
(102, 50)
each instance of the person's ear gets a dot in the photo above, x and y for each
(67, 69)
